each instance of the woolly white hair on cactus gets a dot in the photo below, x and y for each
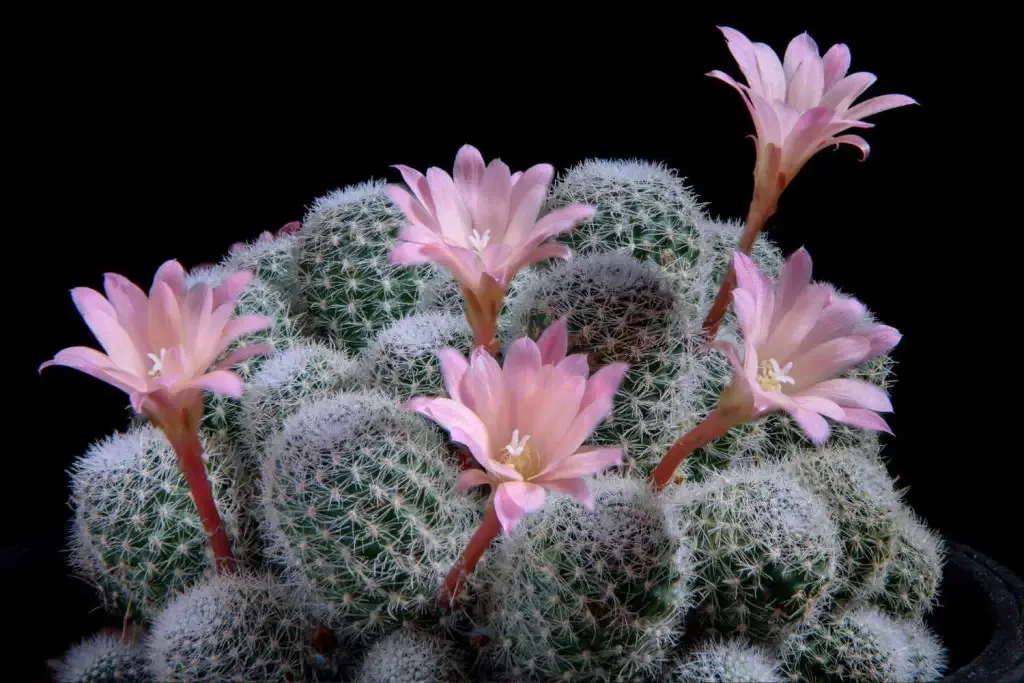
(234, 627)
(135, 534)
(104, 658)
(413, 655)
(305, 373)
(862, 646)
(728, 661)
(402, 359)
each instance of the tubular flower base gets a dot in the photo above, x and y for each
(482, 227)
(159, 350)
(797, 338)
(799, 106)
(524, 423)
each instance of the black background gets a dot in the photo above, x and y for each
(135, 146)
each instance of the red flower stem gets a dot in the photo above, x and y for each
(759, 213)
(713, 426)
(487, 532)
(190, 461)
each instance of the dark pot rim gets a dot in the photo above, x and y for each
(1002, 658)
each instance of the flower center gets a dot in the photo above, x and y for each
(519, 453)
(158, 362)
(478, 242)
(771, 377)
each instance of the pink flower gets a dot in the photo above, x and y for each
(160, 348)
(801, 104)
(525, 422)
(797, 337)
(481, 226)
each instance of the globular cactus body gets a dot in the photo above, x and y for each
(767, 551)
(359, 507)
(590, 595)
(728, 661)
(234, 627)
(272, 260)
(349, 289)
(136, 534)
(413, 655)
(402, 360)
(863, 646)
(910, 581)
(104, 658)
(862, 502)
(623, 310)
(303, 374)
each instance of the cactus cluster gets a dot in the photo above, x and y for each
(135, 534)
(236, 627)
(863, 646)
(359, 508)
(104, 658)
(591, 595)
(765, 558)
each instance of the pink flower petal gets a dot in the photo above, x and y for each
(464, 427)
(743, 52)
(839, 319)
(527, 197)
(790, 331)
(418, 234)
(418, 184)
(751, 280)
(554, 342)
(820, 405)
(586, 461)
(805, 73)
(515, 177)
(492, 205)
(509, 513)
(132, 306)
(879, 104)
(583, 425)
(463, 264)
(746, 312)
(173, 275)
(528, 496)
(453, 218)
(244, 325)
(577, 488)
(793, 280)
(836, 63)
(604, 384)
(495, 258)
(842, 94)
(803, 140)
(827, 360)
(101, 319)
(231, 288)
(560, 220)
(865, 419)
(408, 254)
(522, 367)
(854, 140)
(544, 252)
(551, 415)
(221, 382)
(812, 424)
(467, 479)
(245, 353)
(576, 364)
(468, 173)
(97, 365)
(852, 393)
(773, 77)
(482, 390)
(453, 366)
(882, 339)
(412, 209)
